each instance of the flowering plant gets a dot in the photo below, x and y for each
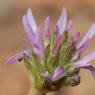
(54, 58)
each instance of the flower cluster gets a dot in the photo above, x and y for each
(54, 58)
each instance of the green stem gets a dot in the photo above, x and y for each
(33, 90)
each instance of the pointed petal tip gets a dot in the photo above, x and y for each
(29, 10)
(31, 20)
(48, 18)
(47, 26)
(28, 30)
(64, 9)
(71, 21)
(58, 74)
(70, 25)
(76, 37)
(62, 21)
(14, 58)
(64, 12)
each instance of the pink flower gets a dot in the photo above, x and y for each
(57, 52)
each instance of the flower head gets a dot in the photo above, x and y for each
(54, 59)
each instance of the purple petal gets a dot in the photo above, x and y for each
(69, 28)
(27, 41)
(47, 27)
(84, 46)
(58, 74)
(39, 39)
(27, 53)
(88, 36)
(58, 44)
(38, 52)
(76, 37)
(45, 74)
(84, 62)
(28, 30)
(62, 21)
(31, 20)
(56, 29)
(14, 58)
(76, 65)
(92, 70)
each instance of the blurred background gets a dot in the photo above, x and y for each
(14, 78)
